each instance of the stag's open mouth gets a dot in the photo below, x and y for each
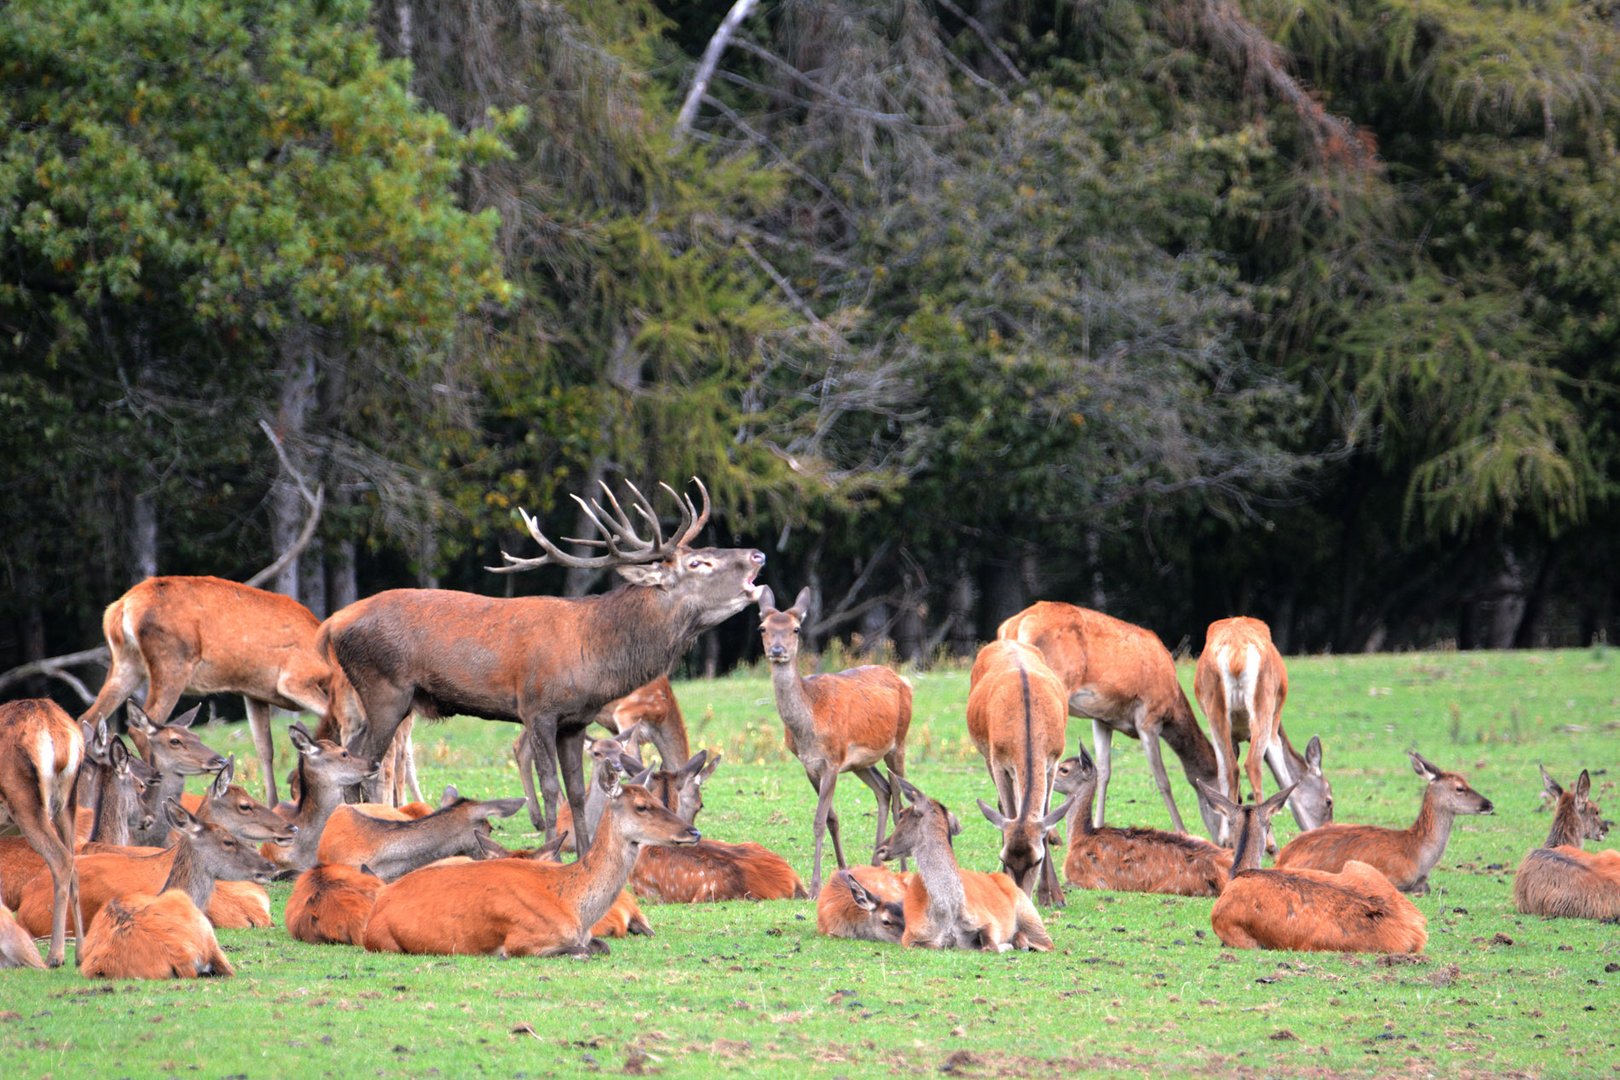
(750, 589)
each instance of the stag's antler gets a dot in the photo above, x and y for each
(624, 545)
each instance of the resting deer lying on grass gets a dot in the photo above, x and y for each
(1133, 860)
(526, 908)
(864, 903)
(947, 907)
(1355, 910)
(330, 905)
(1558, 879)
(1405, 856)
(166, 936)
(325, 769)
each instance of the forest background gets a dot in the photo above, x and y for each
(1179, 309)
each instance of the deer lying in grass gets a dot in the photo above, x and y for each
(41, 749)
(847, 721)
(1354, 910)
(1133, 860)
(17, 948)
(1017, 713)
(227, 803)
(330, 905)
(1405, 856)
(392, 849)
(325, 770)
(864, 903)
(947, 907)
(1558, 879)
(1241, 684)
(139, 935)
(526, 908)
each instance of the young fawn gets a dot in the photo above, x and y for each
(843, 722)
(526, 908)
(947, 907)
(1017, 713)
(166, 936)
(1405, 856)
(1558, 879)
(1133, 860)
(1354, 910)
(864, 903)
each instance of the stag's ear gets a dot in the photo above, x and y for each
(187, 718)
(1051, 820)
(992, 815)
(222, 779)
(1583, 787)
(1549, 785)
(1428, 770)
(1313, 755)
(1276, 802)
(1216, 799)
(801, 604)
(450, 796)
(649, 575)
(500, 808)
(766, 601)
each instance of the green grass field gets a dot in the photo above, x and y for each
(1135, 982)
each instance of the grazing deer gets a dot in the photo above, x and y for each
(41, 749)
(847, 721)
(205, 635)
(1017, 715)
(227, 803)
(1241, 684)
(1133, 860)
(1353, 910)
(166, 936)
(655, 711)
(174, 750)
(330, 905)
(864, 903)
(1122, 679)
(548, 663)
(526, 908)
(392, 849)
(17, 947)
(326, 770)
(1405, 856)
(1558, 879)
(947, 907)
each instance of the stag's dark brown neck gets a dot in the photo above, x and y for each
(188, 874)
(632, 635)
(1191, 746)
(1566, 826)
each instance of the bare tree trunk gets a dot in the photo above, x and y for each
(342, 588)
(578, 581)
(287, 509)
(143, 537)
(1099, 598)
(312, 580)
(964, 598)
(709, 644)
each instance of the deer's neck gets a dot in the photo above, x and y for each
(115, 805)
(170, 785)
(402, 846)
(643, 630)
(1191, 746)
(317, 799)
(936, 862)
(1430, 833)
(1251, 841)
(188, 874)
(1566, 826)
(590, 884)
(793, 704)
(1078, 820)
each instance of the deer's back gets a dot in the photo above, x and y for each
(1147, 860)
(1566, 882)
(1328, 848)
(331, 905)
(1356, 910)
(866, 706)
(995, 711)
(151, 937)
(712, 870)
(103, 877)
(470, 908)
(234, 631)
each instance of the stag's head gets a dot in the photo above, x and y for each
(708, 585)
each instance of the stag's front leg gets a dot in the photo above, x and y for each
(571, 751)
(541, 732)
(1150, 746)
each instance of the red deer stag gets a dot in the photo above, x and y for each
(1133, 860)
(1558, 879)
(1017, 715)
(950, 908)
(1405, 856)
(1241, 684)
(166, 936)
(325, 770)
(864, 903)
(1353, 910)
(392, 849)
(41, 749)
(527, 908)
(330, 905)
(546, 662)
(205, 635)
(1122, 679)
(847, 721)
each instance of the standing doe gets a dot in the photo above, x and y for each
(847, 721)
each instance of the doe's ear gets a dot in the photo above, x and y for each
(766, 601)
(801, 604)
(222, 779)
(451, 795)
(1216, 799)
(500, 808)
(1549, 785)
(303, 741)
(708, 769)
(186, 718)
(954, 824)
(179, 817)
(118, 755)
(1425, 769)
(1052, 819)
(1583, 786)
(1313, 755)
(135, 719)
(857, 892)
(1276, 802)
(648, 575)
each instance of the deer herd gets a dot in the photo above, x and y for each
(107, 837)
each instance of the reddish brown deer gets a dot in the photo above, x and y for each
(611, 752)
(1558, 879)
(1017, 716)
(1241, 684)
(330, 905)
(228, 804)
(548, 663)
(1353, 910)
(1122, 679)
(864, 903)
(392, 849)
(528, 908)
(1133, 860)
(326, 771)
(624, 916)
(174, 750)
(1405, 856)
(166, 936)
(17, 947)
(947, 907)
(205, 635)
(847, 721)
(41, 749)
